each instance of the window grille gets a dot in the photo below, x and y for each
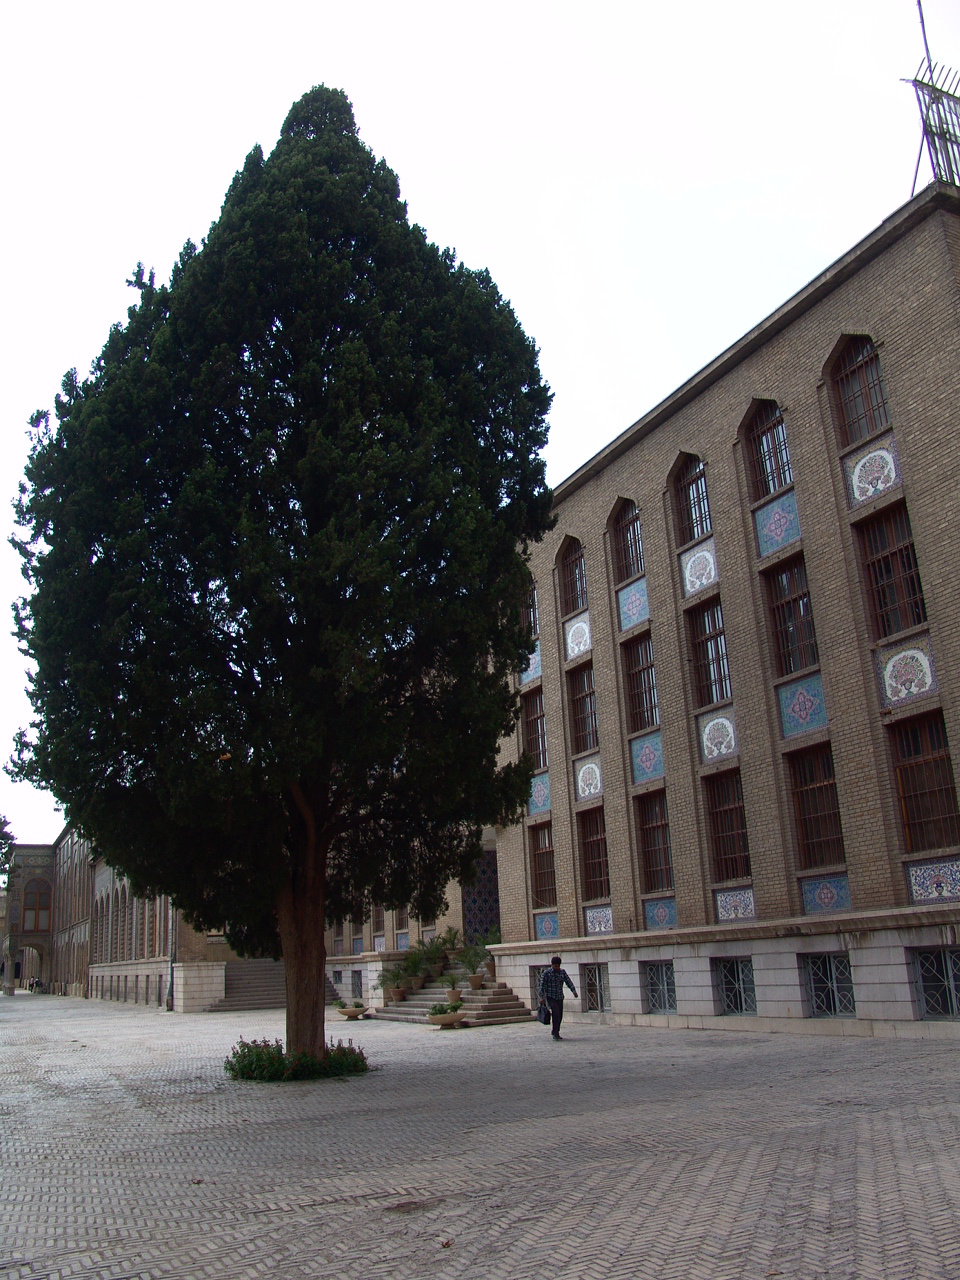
(817, 810)
(640, 685)
(728, 826)
(693, 508)
(769, 453)
(535, 971)
(595, 987)
(402, 918)
(627, 544)
(654, 831)
(734, 987)
(583, 709)
(938, 978)
(573, 579)
(658, 986)
(925, 785)
(535, 728)
(356, 984)
(829, 986)
(791, 616)
(543, 880)
(892, 573)
(594, 870)
(711, 670)
(338, 977)
(378, 918)
(861, 398)
(531, 614)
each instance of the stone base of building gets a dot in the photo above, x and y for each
(143, 982)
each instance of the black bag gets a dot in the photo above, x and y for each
(543, 1015)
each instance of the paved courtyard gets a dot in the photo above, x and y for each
(472, 1155)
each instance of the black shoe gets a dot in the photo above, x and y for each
(556, 1037)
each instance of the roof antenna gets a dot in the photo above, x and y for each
(939, 103)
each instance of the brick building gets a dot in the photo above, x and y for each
(746, 686)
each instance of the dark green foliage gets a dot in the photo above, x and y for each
(261, 1060)
(6, 846)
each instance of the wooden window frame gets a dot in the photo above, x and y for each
(816, 808)
(926, 788)
(791, 617)
(584, 732)
(594, 862)
(627, 543)
(891, 571)
(860, 396)
(573, 579)
(543, 872)
(653, 832)
(730, 849)
(535, 728)
(640, 685)
(692, 501)
(769, 451)
(711, 668)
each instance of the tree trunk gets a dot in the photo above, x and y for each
(300, 908)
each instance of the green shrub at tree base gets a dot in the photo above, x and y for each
(265, 1060)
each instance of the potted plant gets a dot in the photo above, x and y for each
(451, 940)
(471, 956)
(490, 939)
(391, 982)
(446, 1015)
(351, 1011)
(451, 982)
(413, 964)
(432, 951)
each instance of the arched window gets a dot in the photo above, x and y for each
(122, 926)
(36, 907)
(128, 945)
(767, 449)
(573, 579)
(860, 396)
(627, 546)
(693, 508)
(141, 929)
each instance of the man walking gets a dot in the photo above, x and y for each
(550, 993)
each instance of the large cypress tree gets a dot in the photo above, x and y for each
(275, 547)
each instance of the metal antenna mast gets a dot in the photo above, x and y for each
(939, 103)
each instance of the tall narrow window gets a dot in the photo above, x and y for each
(728, 826)
(531, 614)
(36, 907)
(816, 808)
(594, 871)
(573, 579)
(583, 709)
(861, 398)
(640, 685)
(791, 616)
(543, 879)
(893, 575)
(769, 454)
(925, 785)
(710, 669)
(693, 509)
(535, 728)
(378, 918)
(654, 831)
(627, 546)
(402, 918)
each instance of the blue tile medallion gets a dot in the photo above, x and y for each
(539, 794)
(661, 913)
(826, 893)
(633, 605)
(533, 668)
(646, 757)
(777, 524)
(802, 707)
(546, 924)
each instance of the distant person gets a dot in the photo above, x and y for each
(550, 993)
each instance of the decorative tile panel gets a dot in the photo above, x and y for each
(379, 943)
(660, 914)
(587, 778)
(777, 524)
(539, 801)
(802, 707)
(546, 925)
(872, 470)
(646, 757)
(358, 946)
(905, 673)
(698, 567)
(935, 881)
(576, 636)
(717, 735)
(827, 893)
(403, 941)
(533, 669)
(481, 900)
(735, 904)
(598, 919)
(632, 604)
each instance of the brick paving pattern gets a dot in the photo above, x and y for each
(494, 1154)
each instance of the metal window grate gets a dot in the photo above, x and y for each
(543, 880)
(734, 985)
(892, 573)
(595, 987)
(817, 809)
(769, 453)
(659, 986)
(829, 986)
(710, 667)
(728, 826)
(861, 397)
(535, 728)
(531, 614)
(583, 709)
(627, 544)
(356, 984)
(640, 685)
(928, 796)
(573, 579)
(938, 975)
(654, 831)
(594, 870)
(795, 638)
(693, 507)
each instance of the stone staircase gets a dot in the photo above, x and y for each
(252, 984)
(491, 1005)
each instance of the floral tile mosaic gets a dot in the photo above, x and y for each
(935, 881)
(533, 670)
(802, 707)
(632, 604)
(403, 942)
(660, 914)
(646, 757)
(717, 735)
(777, 524)
(698, 567)
(906, 673)
(735, 904)
(872, 470)
(379, 943)
(576, 636)
(587, 778)
(539, 801)
(827, 893)
(546, 925)
(598, 919)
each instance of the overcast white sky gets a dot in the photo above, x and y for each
(645, 182)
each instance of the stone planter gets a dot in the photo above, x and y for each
(476, 981)
(447, 1019)
(396, 994)
(491, 968)
(415, 982)
(352, 1014)
(453, 995)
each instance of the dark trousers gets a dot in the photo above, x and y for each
(556, 1014)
